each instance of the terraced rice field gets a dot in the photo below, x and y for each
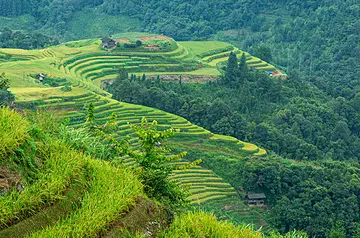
(215, 53)
(205, 185)
(85, 65)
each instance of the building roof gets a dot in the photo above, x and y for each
(107, 40)
(253, 196)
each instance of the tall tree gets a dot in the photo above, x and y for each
(4, 82)
(153, 158)
(243, 69)
(6, 97)
(264, 53)
(122, 74)
(232, 70)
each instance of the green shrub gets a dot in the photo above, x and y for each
(66, 88)
(138, 43)
(56, 82)
(154, 157)
(6, 97)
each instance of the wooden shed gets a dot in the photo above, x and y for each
(257, 199)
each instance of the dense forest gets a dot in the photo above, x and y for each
(28, 41)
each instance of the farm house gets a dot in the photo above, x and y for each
(108, 43)
(257, 199)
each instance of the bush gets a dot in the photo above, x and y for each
(138, 43)
(201, 224)
(66, 88)
(154, 157)
(5, 96)
(130, 46)
(55, 82)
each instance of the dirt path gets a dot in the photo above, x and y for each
(160, 37)
(185, 78)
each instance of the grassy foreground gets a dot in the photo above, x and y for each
(110, 191)
(205, 225)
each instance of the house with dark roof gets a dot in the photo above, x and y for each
(41, 77)
(108, 43)
(257, 199)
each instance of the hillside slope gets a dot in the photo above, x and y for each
(69, 194)
(83, 64)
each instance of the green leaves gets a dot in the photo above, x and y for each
(90, 116)
(154, 157)
(4, 82)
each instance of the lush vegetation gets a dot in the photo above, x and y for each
(79, 62)
(153, 157)
(303, 196)
(328, 58)
(18, 39)
(206, 225)
(6, 97)
(59, 169)
(310, 119)
(289, 117)
(107, 190)
(284, 116)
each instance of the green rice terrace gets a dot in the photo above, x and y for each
(84, 65)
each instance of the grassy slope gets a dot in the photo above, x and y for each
(64, 178)
(85, 65)
(198, 47)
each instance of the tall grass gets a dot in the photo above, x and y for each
(13, 131)
(201, 224)
(60, 167)
(82, 141)
(111, 193)
(110, 190)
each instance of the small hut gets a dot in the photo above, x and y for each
(41, 77)
(270, 73)
(108, 43)
(257, 199)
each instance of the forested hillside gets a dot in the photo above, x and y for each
(315, 37)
